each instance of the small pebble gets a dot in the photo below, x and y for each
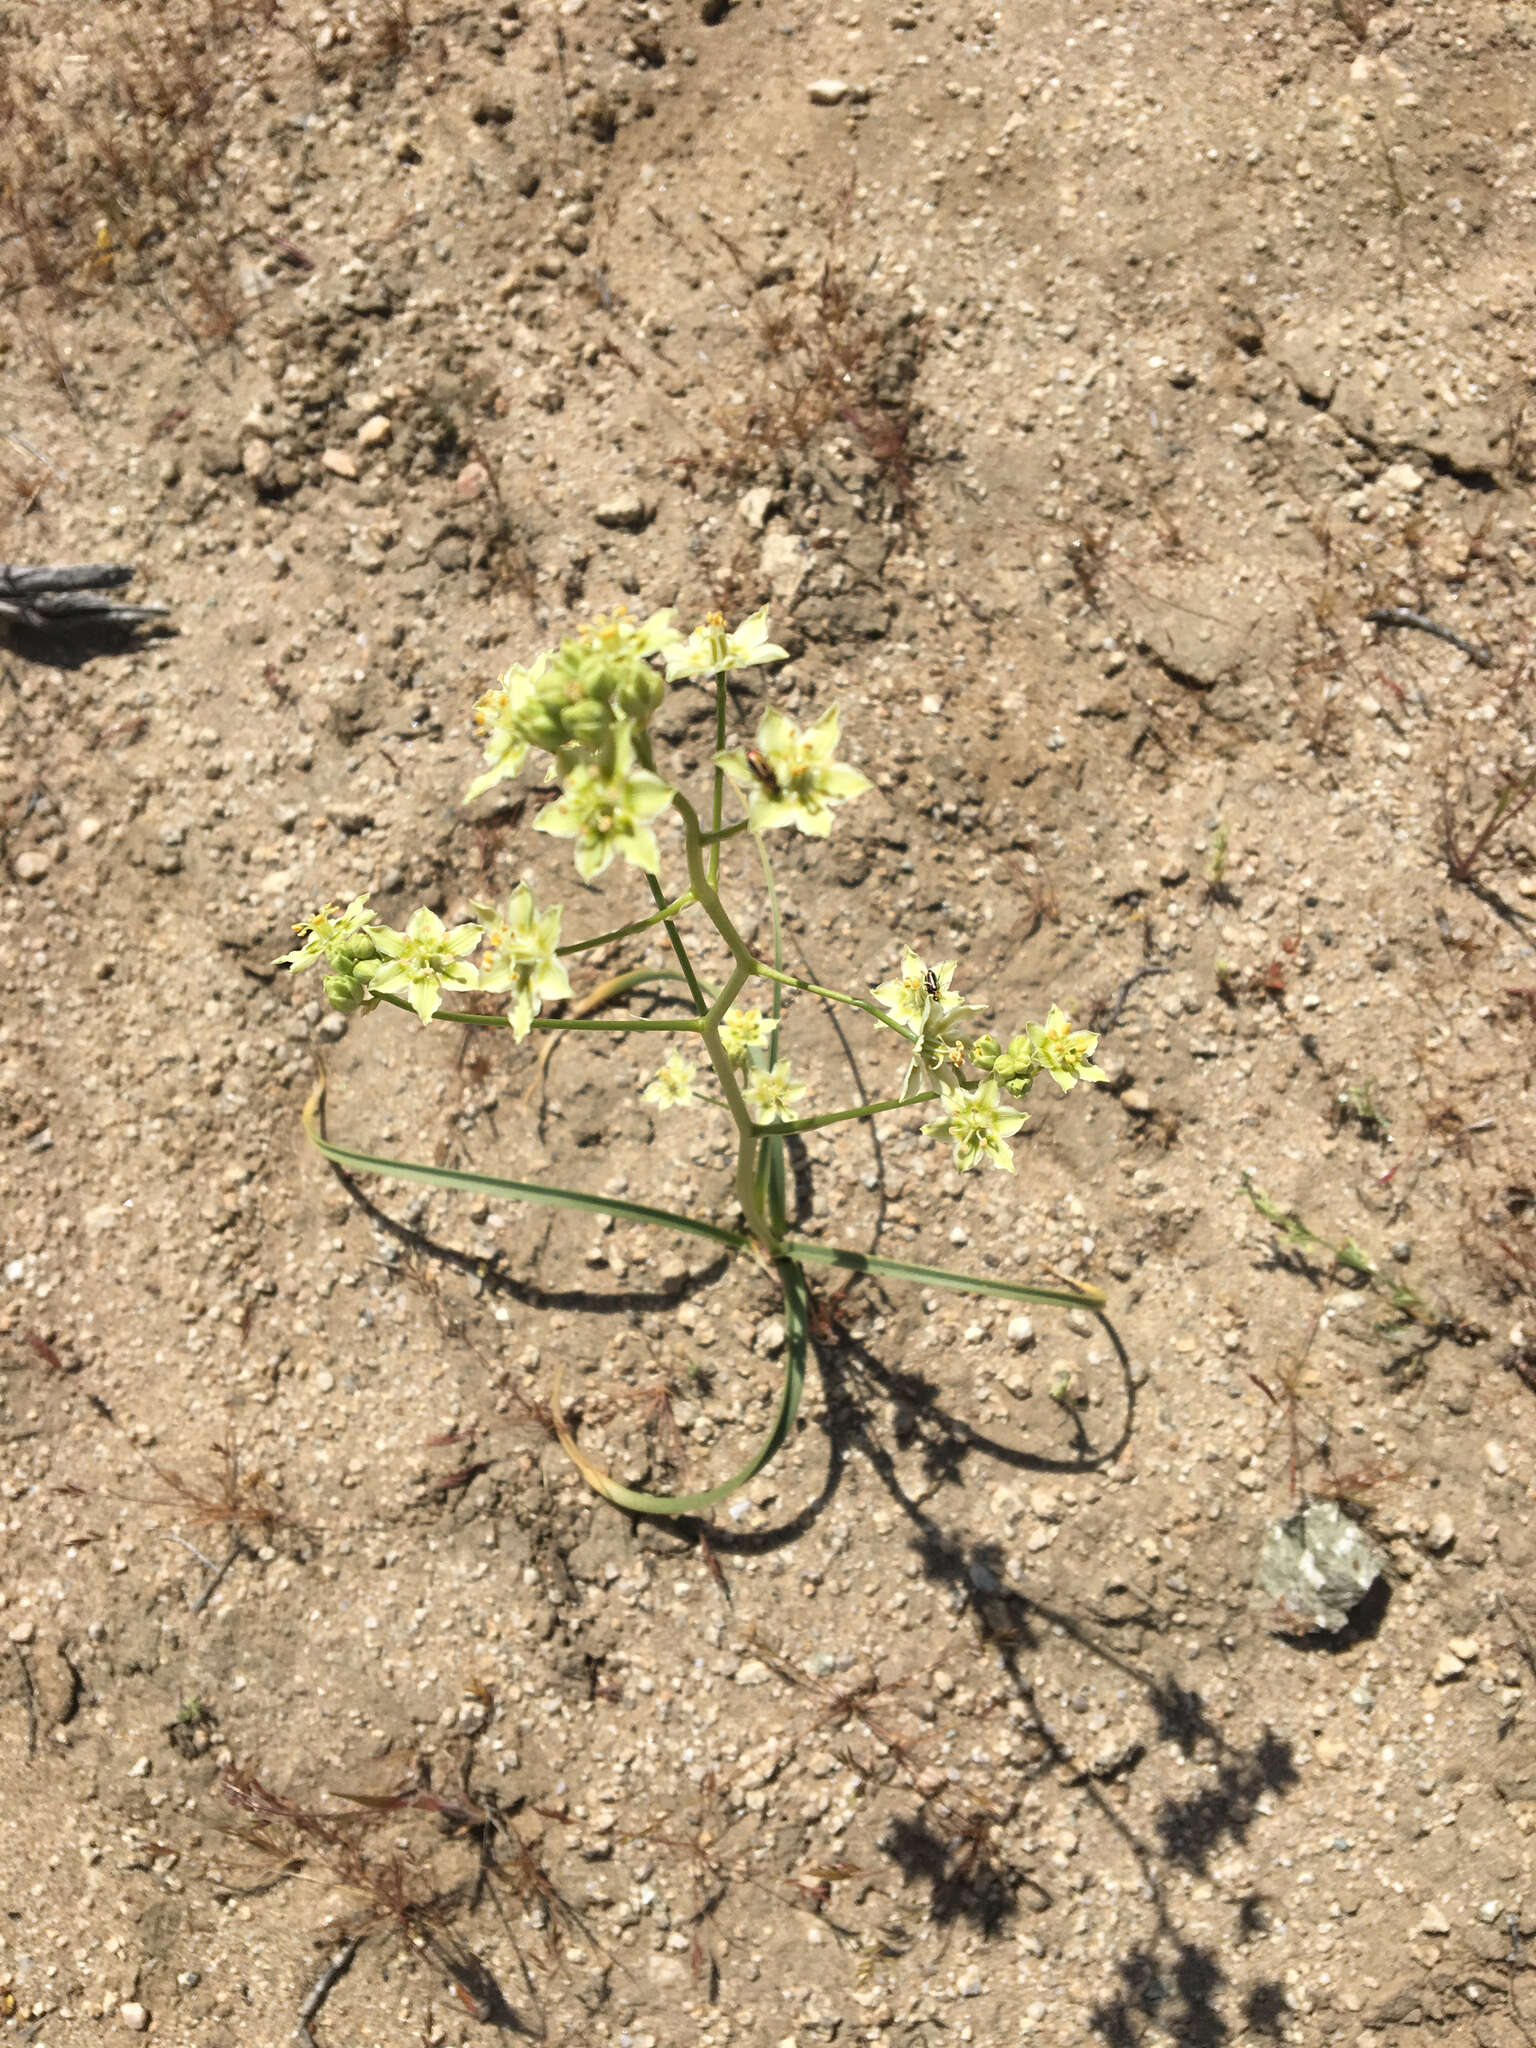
(89, 829)
(754, 506)
(324, 1381)
(1493, 1451)
(1021, 1332)
(626, 511)
(24, 1631)
(339, 463)
(375, 431)
(1441, 1533)
(135, 2017)
(1434, 1921)
(257, 459)
(828, 92)
(32, 865)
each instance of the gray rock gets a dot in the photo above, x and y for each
(1318, 1565)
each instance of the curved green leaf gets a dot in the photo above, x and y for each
(510, 1190)
(807, 1253)
(796, 1320)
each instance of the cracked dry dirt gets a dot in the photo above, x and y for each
(1075, 382)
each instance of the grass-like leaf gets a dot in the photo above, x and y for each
(810, 1254)
(511, 1190)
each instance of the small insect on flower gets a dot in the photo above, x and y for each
(788, 777)
(931, 983)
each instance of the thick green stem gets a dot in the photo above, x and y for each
(748, 1193)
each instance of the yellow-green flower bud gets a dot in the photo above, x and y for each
(349, 955)
(344, 992)
(1017, 1067)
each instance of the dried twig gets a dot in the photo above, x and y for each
(31, 1692)
(236, 1549)
(1141, 974)
(1397, 615)
(324, 1984)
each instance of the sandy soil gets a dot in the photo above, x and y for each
(1075, 384)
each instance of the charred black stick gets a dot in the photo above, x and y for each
(1396, 615)
(64, 594)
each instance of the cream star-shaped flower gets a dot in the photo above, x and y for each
(497, 716)
(607, 811)
(920, 995)
(743, 1031)
(520, 955)
(333, 936)
(1065, 1054)
(423, 960)
(711, 650)
(771, 1093)
(978, 1125)
(921, 998)
(672, 1087)
(790, 777)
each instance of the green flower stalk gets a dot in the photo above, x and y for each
(519, 955)
(588, 706)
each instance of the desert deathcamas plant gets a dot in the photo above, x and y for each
(588, 707)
